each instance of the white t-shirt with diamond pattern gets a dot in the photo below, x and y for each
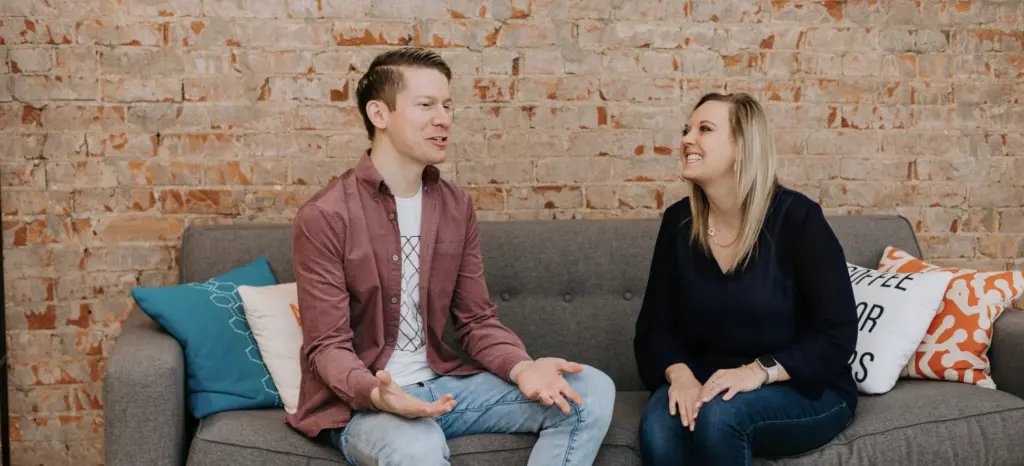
(408, 363)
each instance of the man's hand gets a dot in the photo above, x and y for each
(390, 398)
(542, 380)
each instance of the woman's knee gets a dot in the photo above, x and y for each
(720, 422)
(663, 440)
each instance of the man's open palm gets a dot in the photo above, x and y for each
(542, 380)
(390, 398)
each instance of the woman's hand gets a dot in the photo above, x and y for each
(732, 381)
(683, 394)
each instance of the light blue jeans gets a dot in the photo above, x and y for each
(484, 404)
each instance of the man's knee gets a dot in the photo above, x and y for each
(392, 440)
(422, 449)
(598, 393)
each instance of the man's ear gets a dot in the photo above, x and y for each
(378, 113)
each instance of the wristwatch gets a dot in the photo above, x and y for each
(770, 366)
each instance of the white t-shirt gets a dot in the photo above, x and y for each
(408, 363)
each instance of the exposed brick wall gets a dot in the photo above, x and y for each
(123, 121)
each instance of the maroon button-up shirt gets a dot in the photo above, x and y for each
(347, 260)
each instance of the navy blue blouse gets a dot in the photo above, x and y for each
(793, 301)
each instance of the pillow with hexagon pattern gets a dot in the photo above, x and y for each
(224, 368)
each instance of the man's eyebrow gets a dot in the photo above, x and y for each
(432, 98)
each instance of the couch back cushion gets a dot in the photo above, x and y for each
(569, 288)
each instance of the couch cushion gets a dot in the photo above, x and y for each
(927, 422)
(262, 437)
(587, 278)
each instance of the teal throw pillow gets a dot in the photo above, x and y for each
(223, 364)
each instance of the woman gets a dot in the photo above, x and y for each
(749, 319)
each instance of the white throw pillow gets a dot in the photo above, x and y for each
(273, 315)
(894, 311)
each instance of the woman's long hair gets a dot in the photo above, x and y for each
(756, 177)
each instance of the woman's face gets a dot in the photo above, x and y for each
(709, 154)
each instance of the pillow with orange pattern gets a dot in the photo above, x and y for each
(273, 315)
(955, 347)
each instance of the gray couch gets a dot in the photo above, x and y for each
(571, 289)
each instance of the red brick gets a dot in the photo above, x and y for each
(947, 246)
(318, 173)
(36, 88)
(487, 198)
(139, 229)
(141, 90)
(358, 33)
(83, 118)
(525, 145)
(21, 290)
(574, 170)
(160, 173)
(346, 119)
(561, 89)
(21, 147)
(245, 8)
(856, 193)
(315, 89)
(95, 285)
(295, 145)
(649, 10)
(545, 197)
(1000, 246)
(53, 31)
(36, 202)
(164, 8)
(114, 200)
(485, 172)
(202, 201)
(328, 8)
(219, 89)
(534, 34)
(647, 169)
(1011, 220)
(102, 31)
(24, 174)
(568, 117)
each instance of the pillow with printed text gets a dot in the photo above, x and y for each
(894, 311)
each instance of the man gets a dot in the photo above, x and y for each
(382, 256)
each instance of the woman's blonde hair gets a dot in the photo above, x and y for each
(756, 177)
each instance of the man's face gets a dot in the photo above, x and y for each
(421, 122)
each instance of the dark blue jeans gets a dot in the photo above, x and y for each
(773, 421)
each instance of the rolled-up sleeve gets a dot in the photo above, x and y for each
(477, 328)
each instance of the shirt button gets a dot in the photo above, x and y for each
(391, 340)
(567, 298)
(391, 216)
(627, 296)
(394, 300)
(505, 297)
(394, 257)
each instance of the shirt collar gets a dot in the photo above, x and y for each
(368, 174)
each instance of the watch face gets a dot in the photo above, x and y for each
(766, 361)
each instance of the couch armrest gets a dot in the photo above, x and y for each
(144, 397)
(1007, 352)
